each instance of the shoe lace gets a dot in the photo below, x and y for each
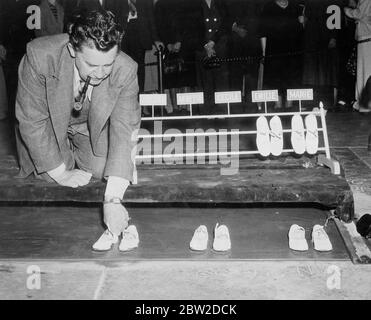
(321, 233)
(128, 235)
(276, 135)
(298, 231)
(314, 133)
(222, 232)
(299, 132)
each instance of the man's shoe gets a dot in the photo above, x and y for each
(105, 242)
(262, 137)
(311, 138)
(297, 239)
(297, 134)
(130, 239)
(276, 136)
(200, 239)
(222, 241)
(320, 239)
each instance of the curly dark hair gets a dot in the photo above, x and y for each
(97, 29)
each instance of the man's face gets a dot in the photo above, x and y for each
(94, 63)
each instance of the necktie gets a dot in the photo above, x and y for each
(80, 97)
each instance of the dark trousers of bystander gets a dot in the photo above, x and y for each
(210, 80)
(132, 47)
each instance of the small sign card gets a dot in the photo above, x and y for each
(152, 99)
(190, 98)
(228, 97)
(299, 94)
(264, 95)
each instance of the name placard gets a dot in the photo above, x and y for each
(155, 99)
(299, 94)
(228, 97)
(264, 95)
(190, 98)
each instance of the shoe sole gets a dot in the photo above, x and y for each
(130, 249)
(297, 139)
(262, 137)
(276, 143)
(221, 251)
(198, 250)
(311, 141)
(103, 250)
(319, 249)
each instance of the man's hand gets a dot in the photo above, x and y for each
(116, 217)
(241, 31)
(73, 178)
(302, 20)
(159, 44)
(177, 46)
(332, 43)
(170, 47)
(209, 48)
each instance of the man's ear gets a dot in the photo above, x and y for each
(71, 50)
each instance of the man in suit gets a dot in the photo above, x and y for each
(137, 20)
(59, 144)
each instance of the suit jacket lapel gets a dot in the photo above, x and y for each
(59, 86)
(102, 103)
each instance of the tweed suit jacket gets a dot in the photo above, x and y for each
(45, 101)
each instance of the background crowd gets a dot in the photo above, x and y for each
(218, 45)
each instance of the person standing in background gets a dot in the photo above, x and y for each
(361, 13)
(244, 42)
(321, 59)
(346, 43)
(179, 71)
(16, 37)
(71, 7)
(3, 92)
(140, 34)
(206, 29)
(281, 32)
(52, 18)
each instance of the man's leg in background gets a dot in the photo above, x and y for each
(132, 47)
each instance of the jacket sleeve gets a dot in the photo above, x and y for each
(124, 121)
(33, 116)
(362, 10)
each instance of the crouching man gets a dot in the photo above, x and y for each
(66, 134)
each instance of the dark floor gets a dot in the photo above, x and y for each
(68, 233)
